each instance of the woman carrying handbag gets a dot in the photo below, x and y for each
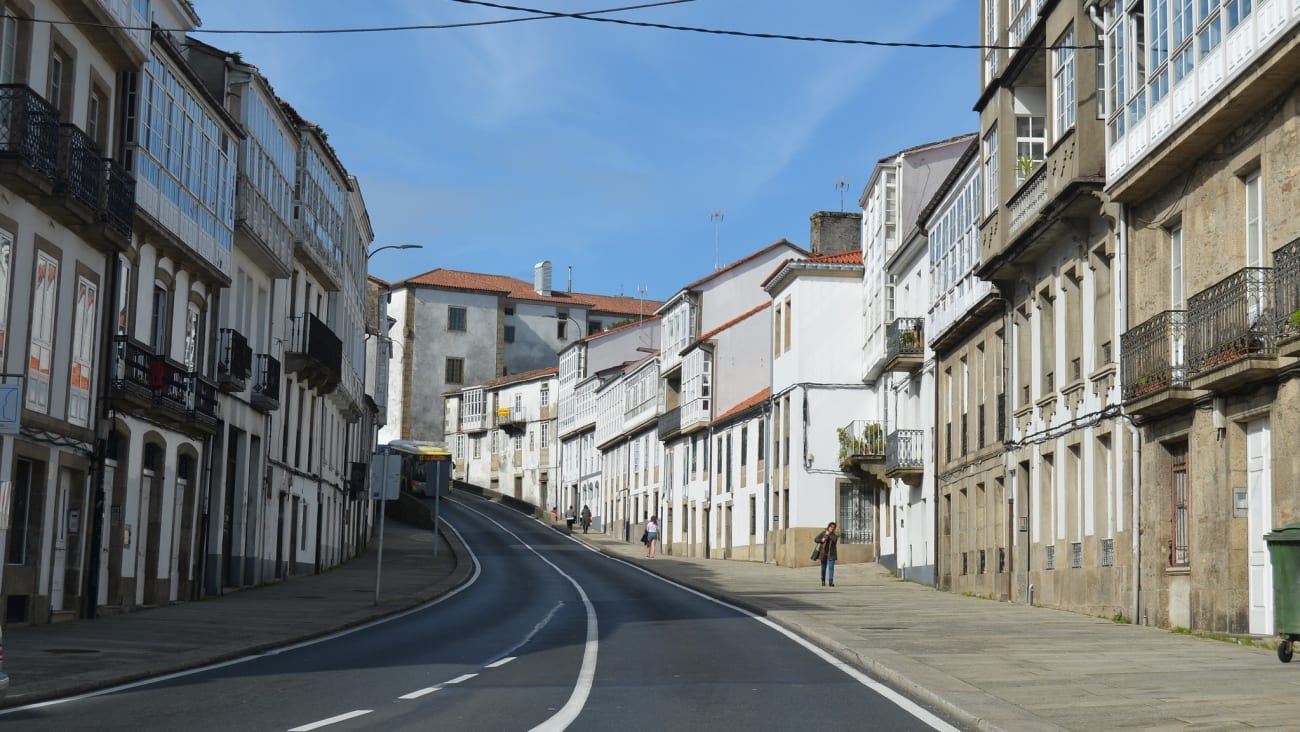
(828, 543)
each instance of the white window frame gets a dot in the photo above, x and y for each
(6, 268)
(1031, 145)
(191, 354)
(82, 373)
(45, 298)
(1176, 301)
(1063, 85)
(990, 164)
(1254, 221)
(8, 48)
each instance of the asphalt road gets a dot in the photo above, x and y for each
(548, 634)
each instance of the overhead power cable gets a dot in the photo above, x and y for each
(766, 36)
(364, 29)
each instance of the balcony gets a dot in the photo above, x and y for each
(905, 453)
(171, 385)
(512, 419)
(862, 447)
(696, 413)
(1286, 294)
(314, 353)
(118, 207)
(349, 397)
(1153, 376)
(266, 385)
(670, 423)
(29, 140)
(131, 371)
(262, 226)
(310, 247)
(118, 28)
(1231, 336)
(234, 361)
(79, 173)
(204, 409)
(471, 423)
(905, 344)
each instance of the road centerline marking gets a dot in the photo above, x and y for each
(420, 692)
(331, 720)
(459, 679)
(500, 663)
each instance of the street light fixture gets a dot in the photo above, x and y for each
(373, 252)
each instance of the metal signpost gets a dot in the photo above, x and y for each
(385, 481)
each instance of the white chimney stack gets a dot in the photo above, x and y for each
(542, 277)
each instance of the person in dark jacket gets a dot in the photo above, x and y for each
(828, 541)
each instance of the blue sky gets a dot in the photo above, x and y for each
(605, 148)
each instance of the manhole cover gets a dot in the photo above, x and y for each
(64, 651)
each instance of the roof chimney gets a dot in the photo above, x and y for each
(570, 288)
(542, 277)
(834, 232)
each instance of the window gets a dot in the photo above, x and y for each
(1181, 25)
(1063, 84)
(158, 325)
(856, 519)
(45, 294)
(455, 370)
(83, 353)
(1176, 268)
(1254, 223)
(990, 40)
(789, 310)
(1031, 145)
(1209, 29)
(123, 296)
(1179, 504)
(192, 356)
(510, 310)
(546, 435)
(546, 395)
(991, 171)
(478, 446)
(456, 319)
(25, 471)
(58, 80)
(1237, 11)
(510, 334)
(8, 49)
(776, 331)
(1158, 51)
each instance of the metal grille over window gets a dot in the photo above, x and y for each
(1051, 557)
(1107, 552)
(1076, 554)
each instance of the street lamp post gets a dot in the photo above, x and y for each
(379, 338)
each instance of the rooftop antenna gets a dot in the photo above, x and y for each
(641, 290)
(716, 215)
(842, 184)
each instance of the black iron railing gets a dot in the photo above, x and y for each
(1153, 356)
(314, 339)
(132, 367)
(1231, 320)
(80, 167)
(267, 384)
(119, 198)
(236, 361)
(905, 449)
(965, 433)
(861, 439)
(1001, 434)
(1286, 290)
(204, 406)
(170, 382)
(29, 128)
(905, 337)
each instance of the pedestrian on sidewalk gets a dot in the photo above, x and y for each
(570, 516)
(586, 518)
(828, 542)
(652, 536)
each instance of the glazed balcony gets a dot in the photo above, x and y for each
(905, 453)
(862, 447)
(1153, 372)
(314, 353)
(269, 234)
(1286, 293)
(905, 344)
(266, 385)
(234, 360)
(118, 28)
(29, 140)
(311, 248)
(1231, 337)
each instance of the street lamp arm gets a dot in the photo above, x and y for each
(373, 252)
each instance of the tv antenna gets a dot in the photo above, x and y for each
(842, 184)
(716, 216)
(642, 290)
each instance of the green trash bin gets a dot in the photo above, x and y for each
(1284, 551)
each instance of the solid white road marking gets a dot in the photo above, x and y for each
(901, 701)
(331, 720)
(190, 672)
(500, 663)
(587, 672)
(420, 693)
(462, 677)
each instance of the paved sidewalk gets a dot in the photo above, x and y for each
(50, 661)
(997, 665)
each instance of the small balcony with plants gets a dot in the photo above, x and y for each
(905, 344)
(862, 447)
(1153, 377)
(1231, 331)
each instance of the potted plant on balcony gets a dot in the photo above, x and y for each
(909, 340)
(1149, 382)
(1025, 166)
(873, 439)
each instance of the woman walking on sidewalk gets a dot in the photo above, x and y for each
(651, 536)
(828, 542)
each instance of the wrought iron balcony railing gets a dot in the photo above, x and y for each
(81, 175)
(119, 199)
(132, 366)
(203, 399)
(905, 337)
(315, 348)
(1286, 292)
(904, 450)
(171, 383)
(235, 359)
(29, 129)
(1153, 356)
(266, 385)
(1231, 319)
(861, 439)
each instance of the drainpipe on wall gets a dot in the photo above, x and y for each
(1121, 320)
(103, 430)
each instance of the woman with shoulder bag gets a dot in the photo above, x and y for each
(828, 542)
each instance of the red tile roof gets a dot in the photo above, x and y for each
(517, 289)
(749, 403)
(853, 257)
(518, 378)
(778, 243)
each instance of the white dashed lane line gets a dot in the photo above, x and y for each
(502, 662)
(464, 677)
(331, 720)
(419, 693)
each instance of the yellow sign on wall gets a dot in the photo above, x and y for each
(503, 411)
